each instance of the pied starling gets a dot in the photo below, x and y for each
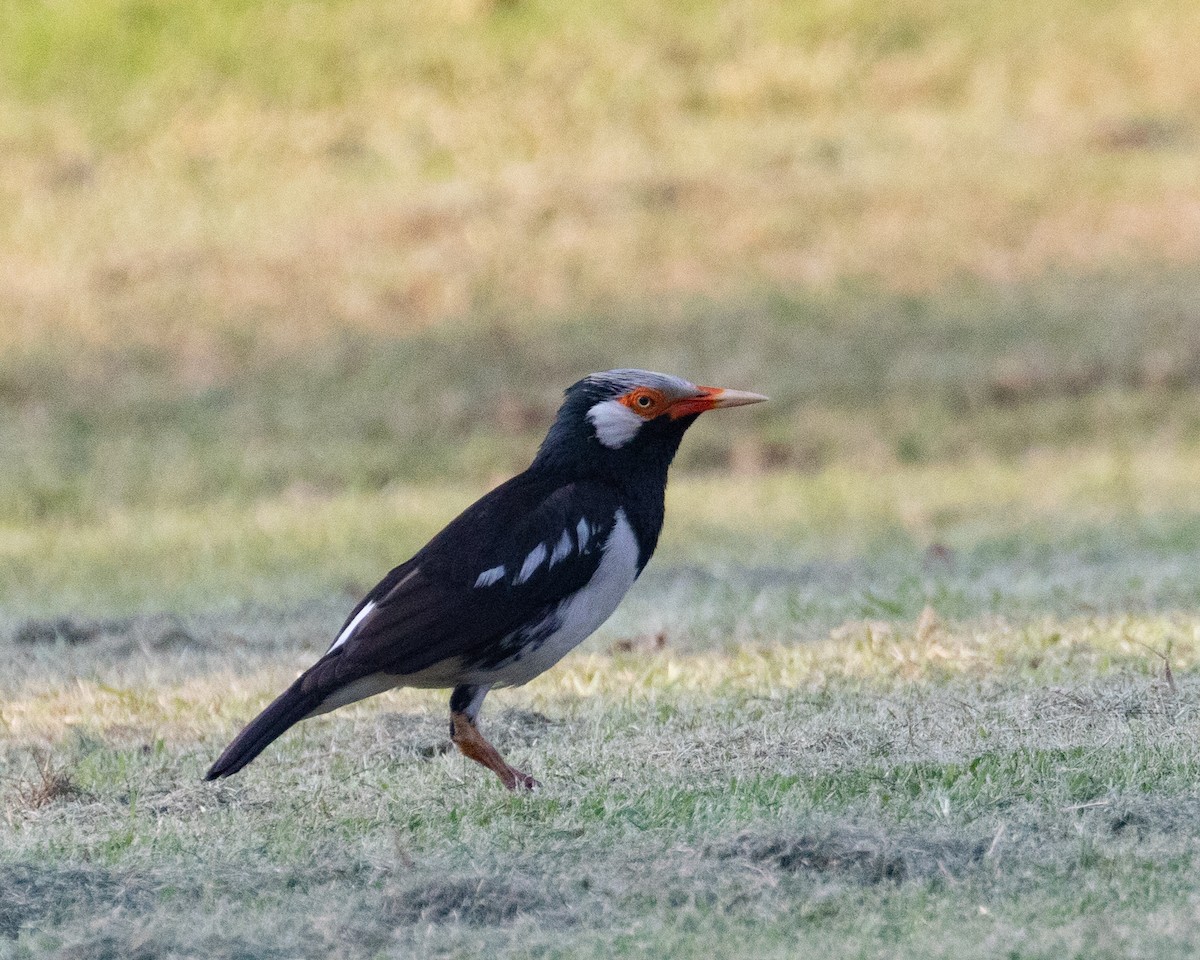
(518, 579)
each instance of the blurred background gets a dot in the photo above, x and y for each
(283, 284)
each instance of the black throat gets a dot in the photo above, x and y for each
(638, 470)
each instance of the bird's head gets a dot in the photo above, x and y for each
(624, 418)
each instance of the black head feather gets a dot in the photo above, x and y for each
(575, 443)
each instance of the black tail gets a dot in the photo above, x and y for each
(289, 708)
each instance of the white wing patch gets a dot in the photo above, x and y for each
(582, 533)
(577, 616)
(352, 625)
(536, 558)
(562, 549)
(488, 577)
(615, 423)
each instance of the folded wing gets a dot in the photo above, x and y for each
(477, 584)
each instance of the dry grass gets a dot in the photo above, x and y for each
(139, 696)
(847, 745)
(920, 679)
(1042, 515)
(869, 792)
(256, 173)
(49, 781)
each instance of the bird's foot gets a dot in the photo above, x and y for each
(518, 780)
(471, 742)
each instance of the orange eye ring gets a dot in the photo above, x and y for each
(645, 402)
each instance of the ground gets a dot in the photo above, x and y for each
(813, 726)
(915, 671)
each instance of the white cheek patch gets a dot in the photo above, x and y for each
(615, 423)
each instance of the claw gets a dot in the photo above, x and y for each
(523, 780)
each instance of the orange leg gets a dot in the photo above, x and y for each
(470, 741)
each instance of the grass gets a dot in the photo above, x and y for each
(842, 741)
(860, 379)
(822, 539)
(811, 762)
(197, 177)
(1032, 787)
(914, 672)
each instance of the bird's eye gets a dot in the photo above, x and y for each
(643, 401)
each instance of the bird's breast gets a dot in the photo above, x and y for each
(568, 623)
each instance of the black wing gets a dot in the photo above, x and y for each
(472, 590)
(481, 580)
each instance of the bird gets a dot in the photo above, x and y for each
(520, 577)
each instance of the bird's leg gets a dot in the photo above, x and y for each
(464, 707)
(470, 741)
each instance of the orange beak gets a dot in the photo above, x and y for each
(710, 398)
